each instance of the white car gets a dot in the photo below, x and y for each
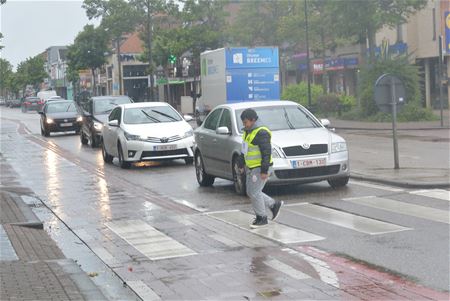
(303, 149)
(148, 131)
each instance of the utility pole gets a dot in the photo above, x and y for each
(119, 64)
(150, 57)
(307, 55)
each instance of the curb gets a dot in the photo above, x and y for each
(405, 184)
(32, 221)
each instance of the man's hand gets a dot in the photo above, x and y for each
(264, 176)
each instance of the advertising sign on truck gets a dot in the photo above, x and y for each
(231, 75)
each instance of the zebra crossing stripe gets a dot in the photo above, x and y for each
(434, 193)
(428, 213)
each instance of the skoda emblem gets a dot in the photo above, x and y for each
(164, 140)
(305, 145)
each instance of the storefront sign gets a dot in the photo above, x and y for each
(447, 32)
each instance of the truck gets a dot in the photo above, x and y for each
(45, 95)
(237, 74)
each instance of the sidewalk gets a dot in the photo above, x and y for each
(32, 267)
(423, 152)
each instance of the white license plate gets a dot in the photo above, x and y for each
(164, 147)
(66, 124)
(308, 163)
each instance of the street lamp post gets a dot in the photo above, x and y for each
(307, 55)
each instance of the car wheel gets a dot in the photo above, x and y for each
(106, 157)
(93, 141)
(122, 162)
(189, 161)
(203, 178)
(83, 138)
(338, 182)
(239, 179)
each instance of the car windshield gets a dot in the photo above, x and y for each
(106, 105)
(281, 118)
(150, 115)
(61, 107)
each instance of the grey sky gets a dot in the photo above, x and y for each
(29, 27)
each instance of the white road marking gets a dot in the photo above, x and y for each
(149, 241)
(376, 186)
(190, 205)
(434, 193)
(324, 271)
(142, 290)
(226, 241)
(273, 231)
(345, 219)
(432, 214)
(286, 269)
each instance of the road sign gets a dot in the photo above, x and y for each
(390, 97)
(385, 86)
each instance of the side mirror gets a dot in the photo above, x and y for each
(188, 118)
(41, 112)
(223, 130)
(325, 122)
(87, 114)
(113, 123)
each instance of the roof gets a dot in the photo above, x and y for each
(256, 104)
(55, 53)
(133, 44)
(144, 105)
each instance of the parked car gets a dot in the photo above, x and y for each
(95, 113)
(303, 149)
(2, 101)
(31, 104)
(147, 132)
(14, 103)
(60, 116)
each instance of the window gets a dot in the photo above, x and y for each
(212, 119)
(61, 107)
(434, 24)
(115, 115)
(105, 105)
(225, 120)
(399, 33)
(150, 115)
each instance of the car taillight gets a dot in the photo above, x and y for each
(40, 102)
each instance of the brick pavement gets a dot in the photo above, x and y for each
(38, 270)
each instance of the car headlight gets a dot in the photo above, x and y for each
(79, 118)
(49, 120)
(189, 133)
(98, 126)
(275, 153)
(129, 136)
(338, 147)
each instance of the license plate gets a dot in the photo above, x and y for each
(308, 163)
(66, 124)
(164, 147)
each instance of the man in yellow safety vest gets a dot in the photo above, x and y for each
(257, 158)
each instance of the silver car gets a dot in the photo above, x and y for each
(303, 149)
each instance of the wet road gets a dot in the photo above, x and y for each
(103, 204)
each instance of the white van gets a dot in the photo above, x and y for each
(45, 95)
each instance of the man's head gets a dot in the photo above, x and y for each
(249, 117)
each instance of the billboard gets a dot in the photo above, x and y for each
(447, 32)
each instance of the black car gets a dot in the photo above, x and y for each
(95, 112)
(60, 116)
(31, 104)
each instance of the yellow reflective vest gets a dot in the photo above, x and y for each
(252, 153)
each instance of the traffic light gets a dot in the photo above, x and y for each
(172, 59)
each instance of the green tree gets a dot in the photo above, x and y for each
(5, 74)
(88, 51)
(31, 72)
(362, 19)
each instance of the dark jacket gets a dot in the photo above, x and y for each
(262, 139)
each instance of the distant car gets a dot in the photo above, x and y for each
(44, 95)
(31, 104)
(303, 149)
(60, 116)
(14, 103)
(147, 132)
(2, 101)
(95, 113)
